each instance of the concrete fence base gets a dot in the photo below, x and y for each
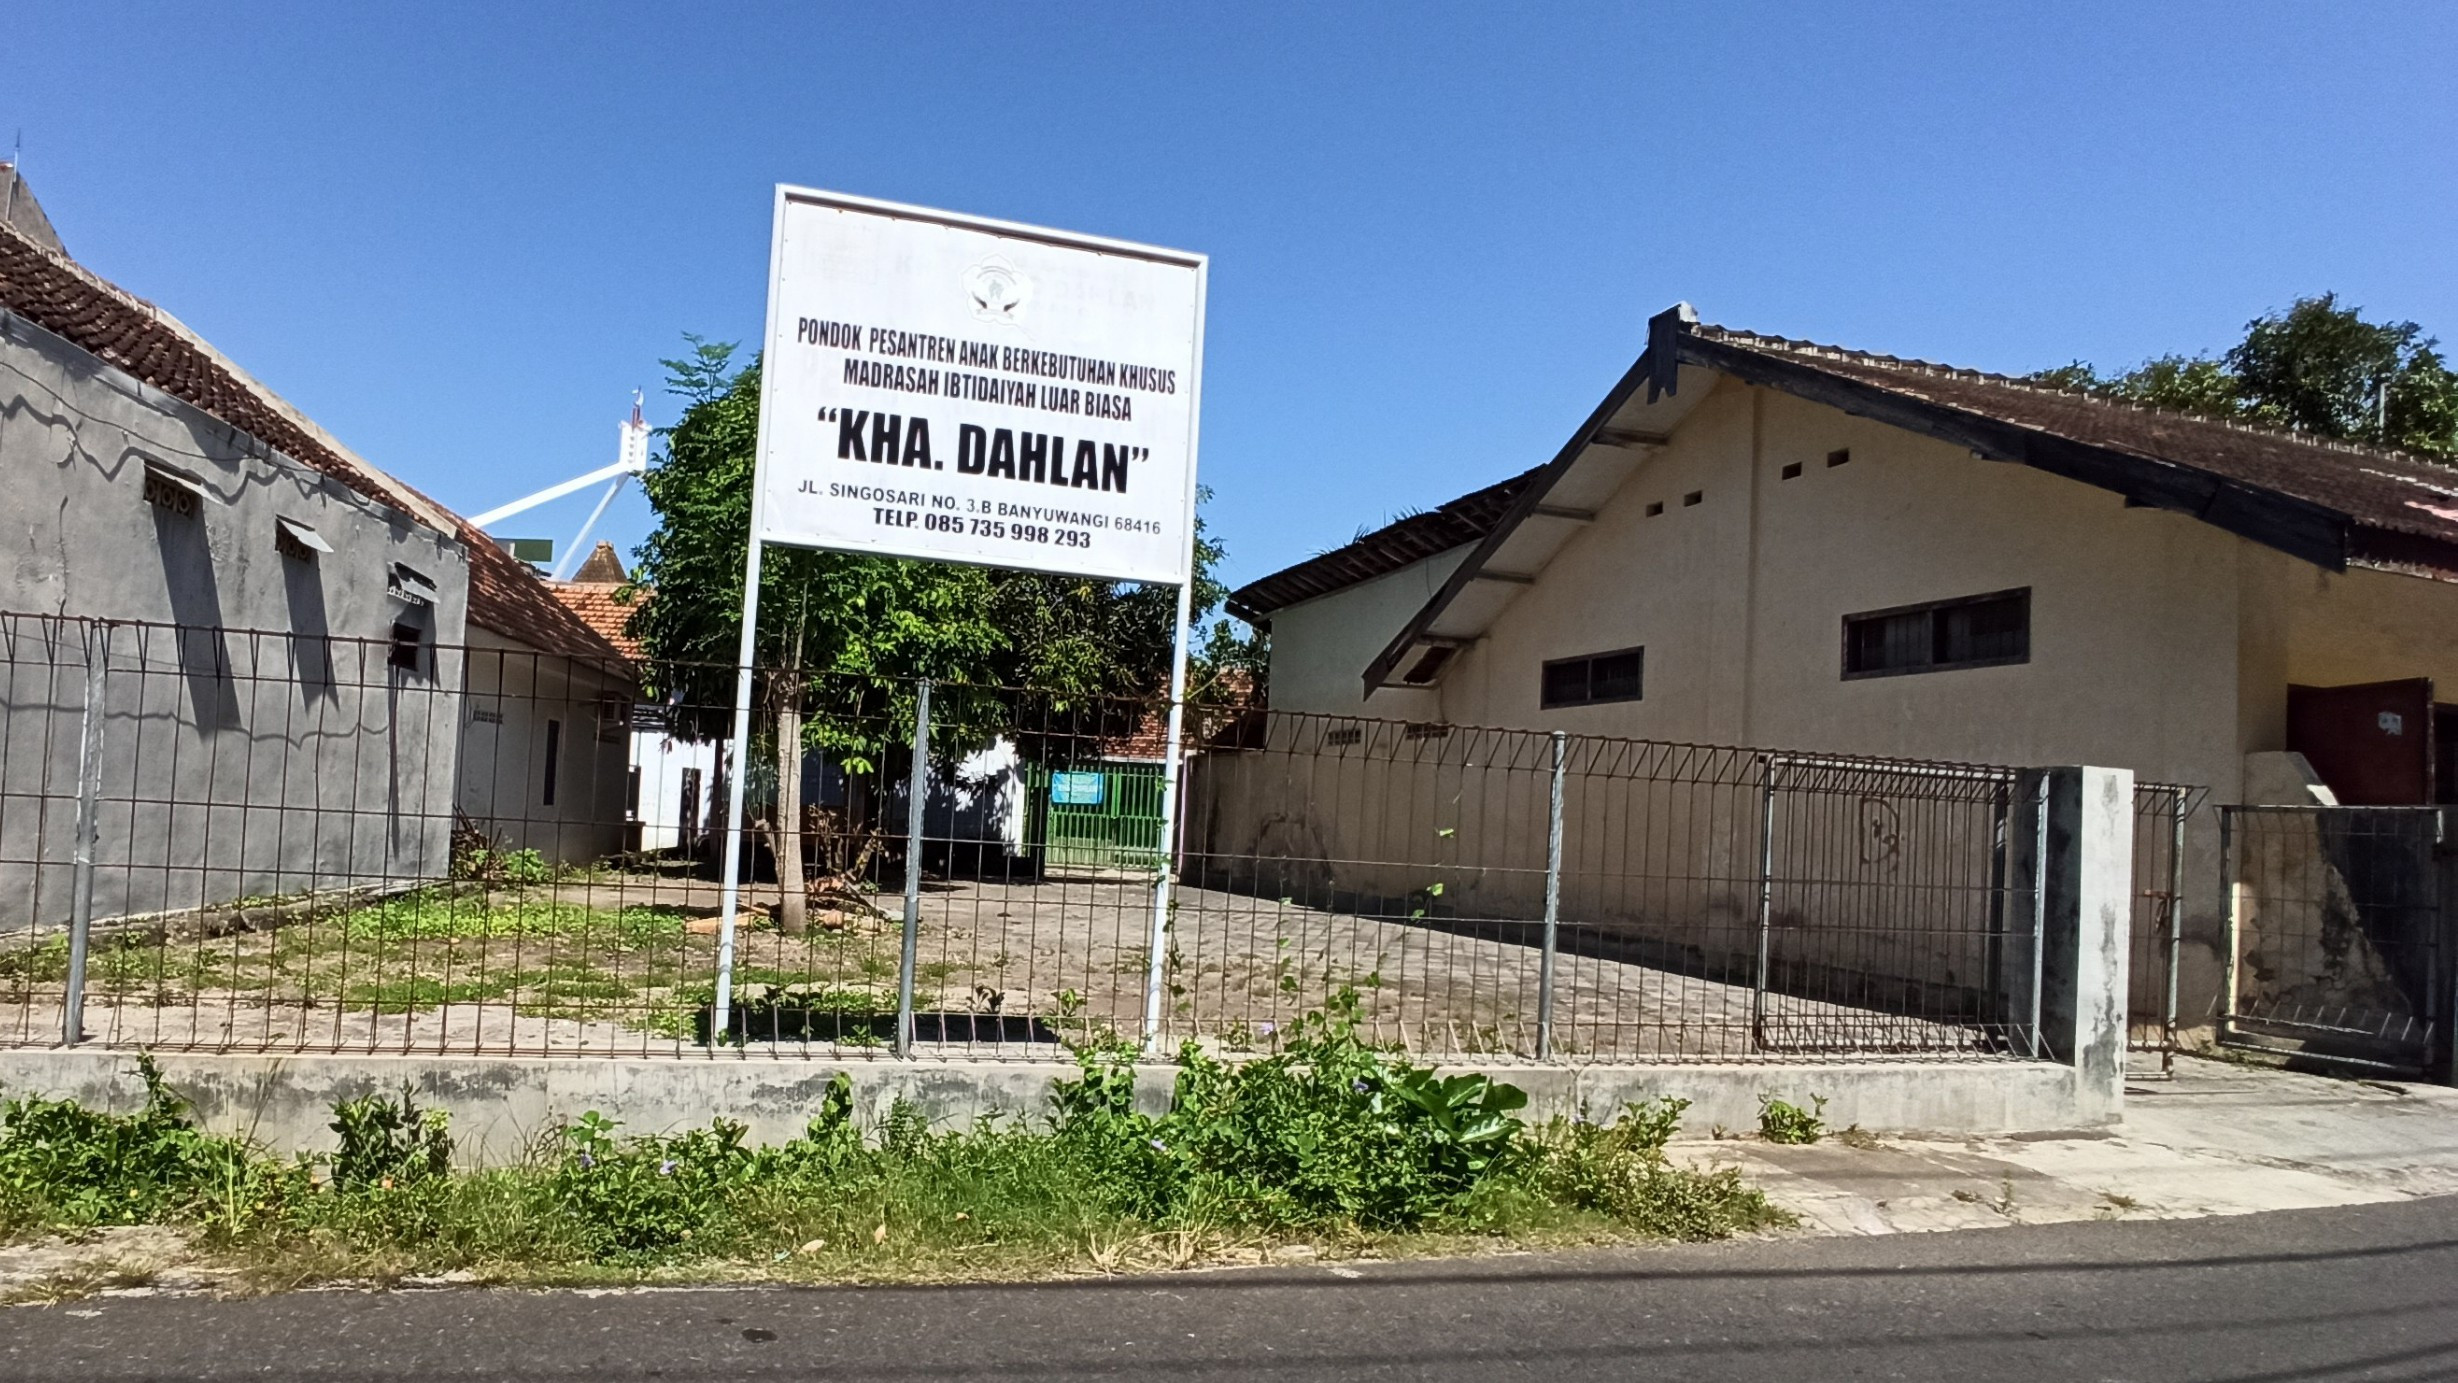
(501, 1105)
(2075, 982)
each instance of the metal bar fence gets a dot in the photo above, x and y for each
(2161, 811)
(2336, 946)
(316, 843)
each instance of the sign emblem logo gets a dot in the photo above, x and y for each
(997, 291)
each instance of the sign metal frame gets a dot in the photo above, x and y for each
(787, 196)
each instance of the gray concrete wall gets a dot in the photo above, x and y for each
(501, 1105)
(264, 745)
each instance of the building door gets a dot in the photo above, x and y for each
(2372, 743)
(688, 818)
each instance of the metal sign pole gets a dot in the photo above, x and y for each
(1157, 957)
(721, 1014)
(1156, 960)
(917, 795)
(1553, 902)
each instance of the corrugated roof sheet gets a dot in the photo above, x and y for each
(1386, 549)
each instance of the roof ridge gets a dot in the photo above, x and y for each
(1798, 346)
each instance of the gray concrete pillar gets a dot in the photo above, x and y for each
(2084, 920)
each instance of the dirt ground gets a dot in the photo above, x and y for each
(623, 964)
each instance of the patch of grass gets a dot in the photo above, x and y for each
(45, 962)
(1332, 1146)
(497, 864)
(449, 914)
(775, 1003)
(420, 992)
(580, 982)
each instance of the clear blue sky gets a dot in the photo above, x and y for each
(458, 235)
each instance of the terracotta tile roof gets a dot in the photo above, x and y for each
(508, 596)
(1386, 549)
(604, 567)
(2384, 490)
(67, 299)
(596, 604)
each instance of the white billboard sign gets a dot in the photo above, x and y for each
(964, 390)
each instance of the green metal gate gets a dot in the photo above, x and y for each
(1104, 815)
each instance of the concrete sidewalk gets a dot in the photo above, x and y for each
(2216, 1139)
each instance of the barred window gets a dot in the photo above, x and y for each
(1593, 678)
(1975, 631)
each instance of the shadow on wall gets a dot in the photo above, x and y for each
(311, 648)
(196, 605)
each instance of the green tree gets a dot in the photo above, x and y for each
(2322, 368)
(1056, 663)
(840, 637)
(2316, 367)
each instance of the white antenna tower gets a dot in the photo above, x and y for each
(632, 458)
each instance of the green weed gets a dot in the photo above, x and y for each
(419, 993)
(493, 864)
(1330, 1140)
(1782, 1122)
(62, 1165)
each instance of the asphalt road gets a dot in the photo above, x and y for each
(2365, 1293)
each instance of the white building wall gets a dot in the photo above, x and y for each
(515, 694)
(667, 766)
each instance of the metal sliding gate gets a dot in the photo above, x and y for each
(2160, 812)
(2336, 945)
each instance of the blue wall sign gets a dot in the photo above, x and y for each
(1075, 789)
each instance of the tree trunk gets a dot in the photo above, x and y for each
(793, 890)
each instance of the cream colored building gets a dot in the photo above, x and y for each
(1763, 542)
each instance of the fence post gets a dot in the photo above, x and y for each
(89, 831)
(917, 794)
(1766, 901)
(2228, 923)
(2085, 876)
(2039, 909)
(2176, 927)
(1553, 903)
